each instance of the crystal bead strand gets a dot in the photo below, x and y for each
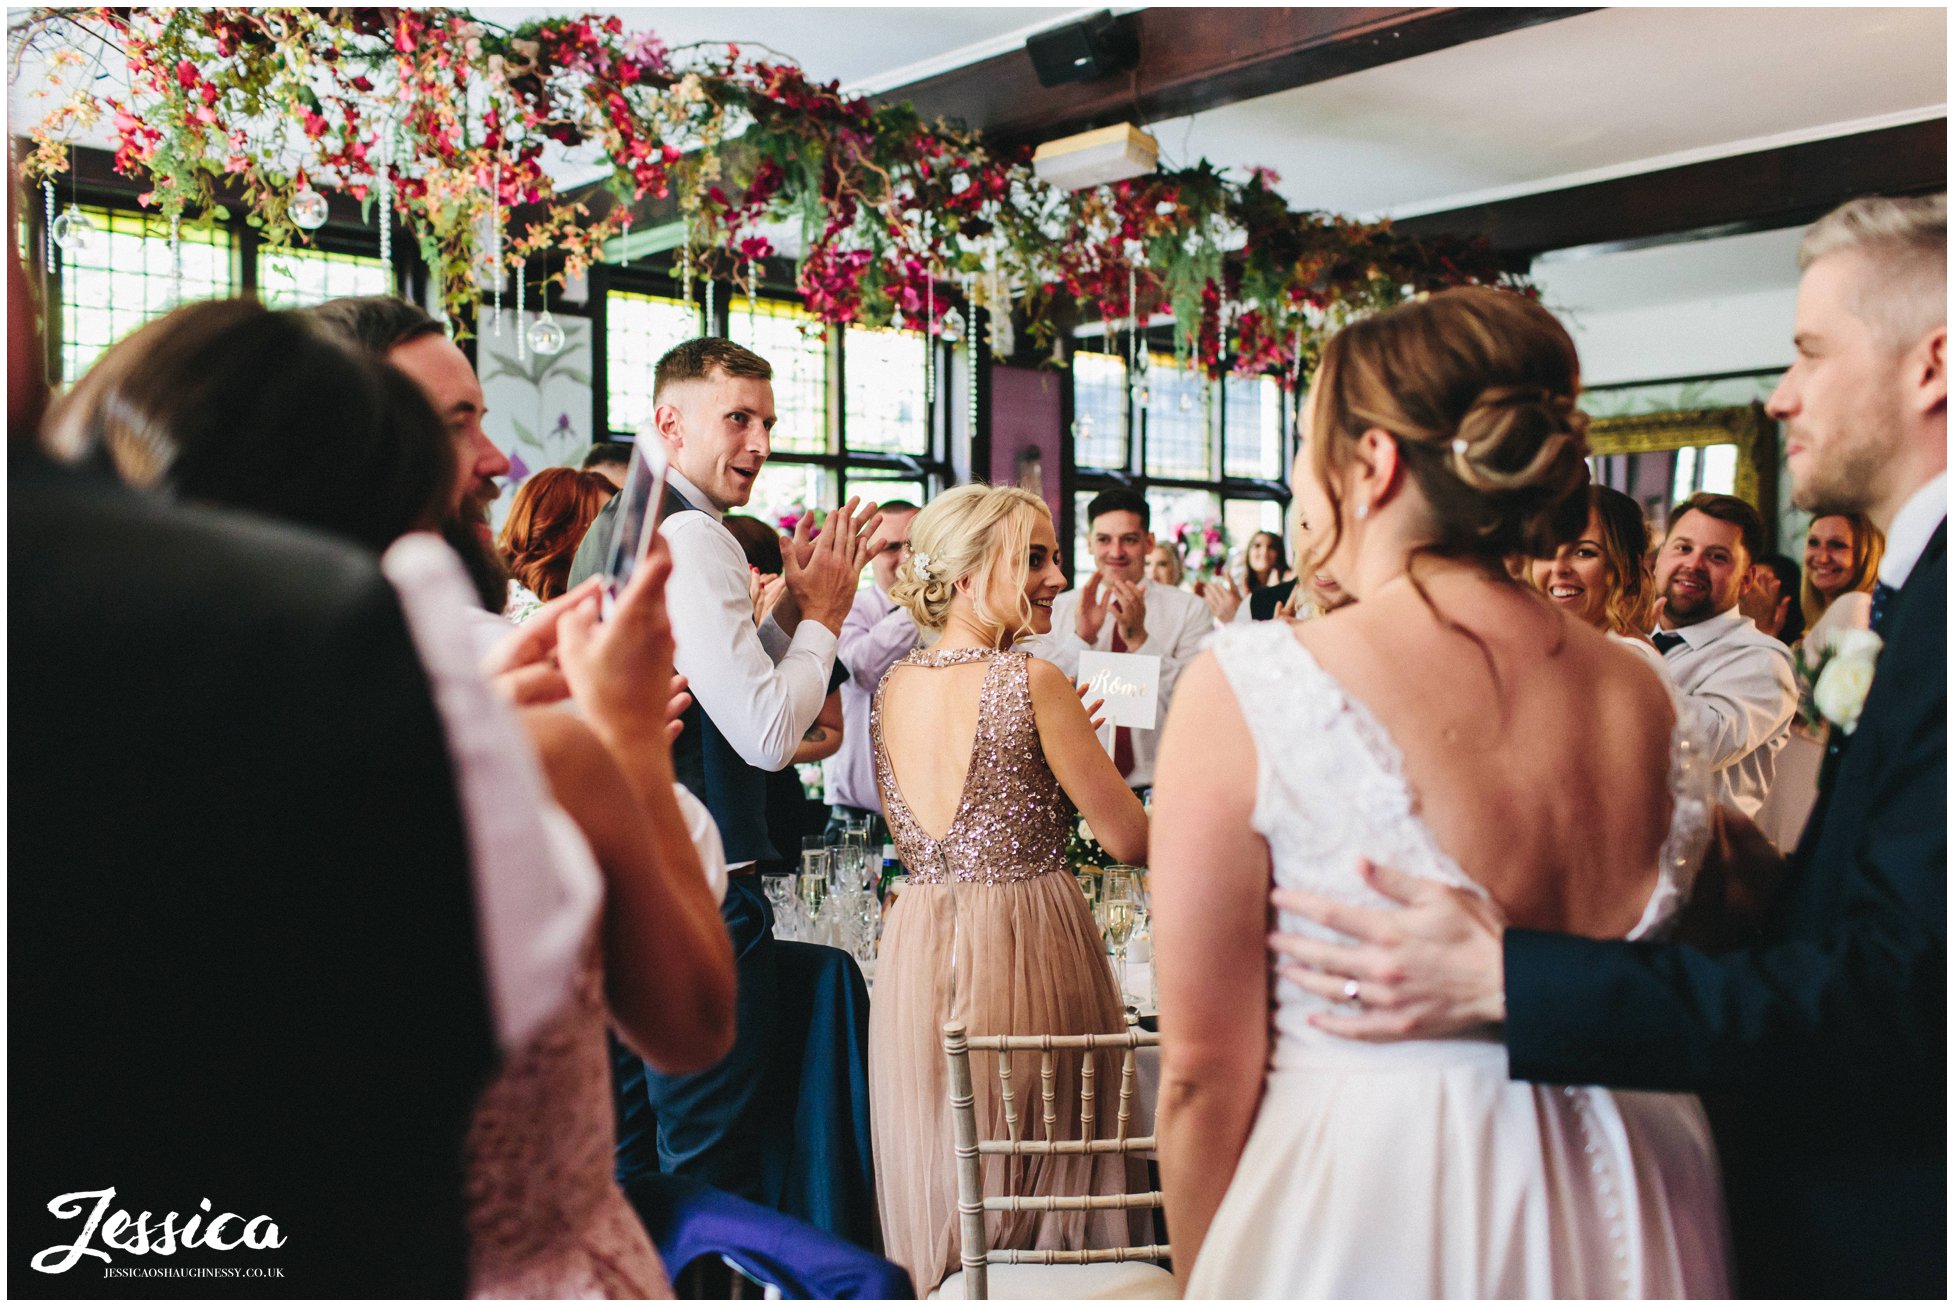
(390, 138)
(522, 279)
(495, 242)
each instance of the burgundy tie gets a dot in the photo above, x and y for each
(1122, 736)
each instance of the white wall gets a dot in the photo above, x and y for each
(1685, 338)
(1687, 310)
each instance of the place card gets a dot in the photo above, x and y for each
(1128, 682)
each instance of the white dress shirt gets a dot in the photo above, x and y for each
(537, 888)
(1646, 652)
(1179, 625)
(876, 635)
(1913, 526)
(761, 688)
(1738, 698)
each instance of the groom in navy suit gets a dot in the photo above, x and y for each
(1821, 1045)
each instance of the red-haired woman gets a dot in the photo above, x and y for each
(546, 523)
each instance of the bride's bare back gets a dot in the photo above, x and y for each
(1544, 775)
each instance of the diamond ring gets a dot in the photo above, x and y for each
(1350, 992)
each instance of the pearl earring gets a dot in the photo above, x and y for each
(1363, 511)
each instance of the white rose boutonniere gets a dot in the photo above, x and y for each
(1842, 677)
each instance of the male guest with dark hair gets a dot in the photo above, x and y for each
(755, 693)
(610, 459)
(1117, 609)
(1825, 1039)
(1739, 693)
(405, 336)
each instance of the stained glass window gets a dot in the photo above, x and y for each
(638, 330)
(127, 275)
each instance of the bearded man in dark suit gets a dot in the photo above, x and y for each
(1820, 1045)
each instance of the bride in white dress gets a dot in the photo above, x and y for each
(1454, 725)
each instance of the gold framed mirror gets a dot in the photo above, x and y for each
(1658, 459)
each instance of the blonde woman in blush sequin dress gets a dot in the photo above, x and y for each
(981, 755)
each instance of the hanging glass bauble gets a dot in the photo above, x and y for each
(308, 209)
(545, 335)
(1142, 395)
(951, 327)
(1082, 427)
(73, 231)
(1187, 402)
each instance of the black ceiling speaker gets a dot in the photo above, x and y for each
(1081, 51)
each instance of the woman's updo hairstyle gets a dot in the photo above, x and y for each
(1478, 385)
(975, 533)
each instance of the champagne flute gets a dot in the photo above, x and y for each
(854, 855)
(1118, 903)
(814, 879)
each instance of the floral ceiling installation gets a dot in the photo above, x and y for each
(443, 118)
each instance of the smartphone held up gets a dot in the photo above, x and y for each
(640, 505)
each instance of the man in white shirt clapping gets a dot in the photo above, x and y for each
(1117, 609)
(755, 692)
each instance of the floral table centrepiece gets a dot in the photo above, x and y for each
(1203, 548)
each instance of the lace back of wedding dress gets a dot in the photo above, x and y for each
(1331, 791)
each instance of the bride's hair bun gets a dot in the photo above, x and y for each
(1479, 386)
(973, 531)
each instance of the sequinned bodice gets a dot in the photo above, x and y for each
(1013, 817)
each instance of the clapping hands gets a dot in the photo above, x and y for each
(1223, 597)
(1103, 595)
(1763, 600)
(822, 572)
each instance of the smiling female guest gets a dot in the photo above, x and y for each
(1164, 566)
(1263, 563)
(1601, 577)
(982, 829)
(1842, 553)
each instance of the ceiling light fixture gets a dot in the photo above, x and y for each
(1111, 154)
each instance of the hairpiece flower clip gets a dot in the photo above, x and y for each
(923, 564)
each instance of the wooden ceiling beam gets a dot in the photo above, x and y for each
(1783, 187)
(1198, 58)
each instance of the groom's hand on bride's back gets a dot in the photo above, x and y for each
(1426, 970)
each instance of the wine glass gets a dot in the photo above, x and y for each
(780, 897)
(1120, 908)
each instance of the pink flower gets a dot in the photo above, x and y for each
(186, 74)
